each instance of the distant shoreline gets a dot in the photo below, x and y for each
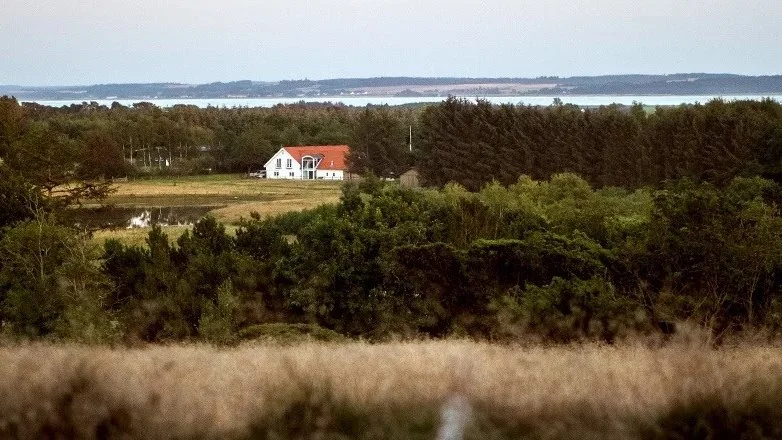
(683, 84)
(363, 101)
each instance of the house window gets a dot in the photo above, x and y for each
(279, 162)
(289, 164)
(276, 173)
(290, 174)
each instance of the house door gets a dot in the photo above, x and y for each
(308, 168)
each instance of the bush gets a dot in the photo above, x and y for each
(50, 284)
(289, 333)
(565, 311)
(218, 321)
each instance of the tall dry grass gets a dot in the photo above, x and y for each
(394, 390)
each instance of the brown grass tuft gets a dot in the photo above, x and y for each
(386, 390)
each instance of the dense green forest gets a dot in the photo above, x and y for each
(555, 260)
(547, 223)
(92, 141)
(474, 143)
(455, 141)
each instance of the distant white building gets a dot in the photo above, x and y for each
(309, 163)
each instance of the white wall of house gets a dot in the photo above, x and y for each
(329, 174)
(282, 166)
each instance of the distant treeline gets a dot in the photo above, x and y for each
(92, 141)
(454, 141)
(475, 143)
(681, 83)
(693, 85)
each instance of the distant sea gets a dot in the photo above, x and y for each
(362, 101)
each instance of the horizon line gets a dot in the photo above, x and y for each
(391, 77)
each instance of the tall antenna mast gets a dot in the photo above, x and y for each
(410, 138)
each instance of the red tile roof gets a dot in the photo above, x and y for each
(333, 155)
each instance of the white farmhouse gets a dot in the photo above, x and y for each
(308, 163)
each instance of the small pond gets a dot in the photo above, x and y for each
(106, 217)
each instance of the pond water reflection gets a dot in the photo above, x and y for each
(106, 217)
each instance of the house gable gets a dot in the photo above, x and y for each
(281, 154)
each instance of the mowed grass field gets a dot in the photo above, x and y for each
(392, 390)
(233, 197)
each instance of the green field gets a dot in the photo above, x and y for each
(233, 197)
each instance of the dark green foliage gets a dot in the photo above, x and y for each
(102, 156)
(715, 254)
(470, 143)
(46, 156)
(475, 143)
(49, 285)
(93, 142)
(431, 278)
(12, 123)
(288, 333)
(166, 291)
(498, 265)
(218, 320)
(124, 265)
(20, 199)
(32, 254)
(566, 311)
(555, 260)
(379, 143)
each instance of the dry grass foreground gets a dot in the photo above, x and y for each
(395, 390)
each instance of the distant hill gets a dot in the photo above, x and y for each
(675, 84)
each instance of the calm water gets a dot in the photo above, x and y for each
(362, 101)
(120, 216)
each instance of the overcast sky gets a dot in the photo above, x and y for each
(57, 42)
